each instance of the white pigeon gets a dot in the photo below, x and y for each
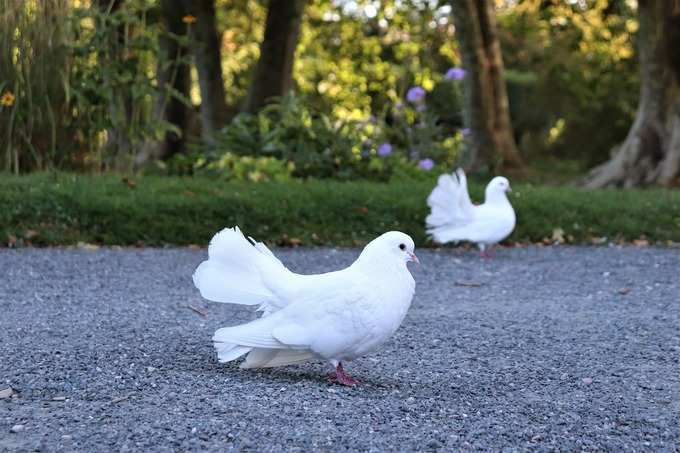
(336, 316)
(453, 217)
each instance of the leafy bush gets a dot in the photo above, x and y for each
(34, 66)
(248, 168)
(75, 79)
(582, 62)
(409, 137)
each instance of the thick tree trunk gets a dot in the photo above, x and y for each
(173, 73)
(209, 67)
(650, 153)
(486, 102)
(274, 71)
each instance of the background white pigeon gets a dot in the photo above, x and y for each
(453, 217)
(336, 316)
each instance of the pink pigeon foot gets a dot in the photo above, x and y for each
(342, 378)
(486, 253)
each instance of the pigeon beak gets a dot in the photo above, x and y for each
(413, 257)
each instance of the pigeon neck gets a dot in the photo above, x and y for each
(495, 196)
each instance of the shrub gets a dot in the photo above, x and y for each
(75, 79)
(315, 145)
(409, 138)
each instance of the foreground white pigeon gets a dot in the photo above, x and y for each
(336, 316)
(453, 217)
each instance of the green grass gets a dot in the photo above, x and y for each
(62, 209)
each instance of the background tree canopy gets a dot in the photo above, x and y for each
(317, 88)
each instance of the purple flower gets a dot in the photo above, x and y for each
(415, 94)
(426, 164)
(465, 131)
(455, 74)
(399, 105)
(384, 150)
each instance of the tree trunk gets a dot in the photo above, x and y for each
(650, 154)
(209, 66)
(486, 101)
(274, 72)
(172, 73)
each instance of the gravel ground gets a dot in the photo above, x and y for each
(573, 348)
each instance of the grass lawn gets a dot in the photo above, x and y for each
(62, 209)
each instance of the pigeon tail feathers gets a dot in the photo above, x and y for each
(237, 272)
(449, 203)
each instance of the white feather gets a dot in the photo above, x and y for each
(238, 272)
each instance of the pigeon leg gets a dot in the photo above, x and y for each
(342, 378)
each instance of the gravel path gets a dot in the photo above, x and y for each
(537, 348)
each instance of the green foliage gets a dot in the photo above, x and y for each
(315, 145)
(418, 129)
(79, 89)
(585, 85)
(249, 168)
(242, 34)
(62, 209)
(34, 65)
(113, 80)
(351, 63)
(81, 77)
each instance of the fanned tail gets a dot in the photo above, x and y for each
(440, 201)
(236, 271)
(450, 207)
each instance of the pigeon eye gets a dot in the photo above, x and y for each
(402, 246)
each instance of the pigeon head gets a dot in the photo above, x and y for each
(393, 244)
(497, 187)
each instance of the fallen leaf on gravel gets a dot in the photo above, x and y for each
(6, 393)
(289, 242)
(86, 246)
(194, 247)
(200, 311)
(119, 400)
(536, 438)
(587, 380)
(624, 291)
(642, 242)
(470, 284)
(598, 240)
(17, 428)
(130, 182)
(558, 235)
(59, 398)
